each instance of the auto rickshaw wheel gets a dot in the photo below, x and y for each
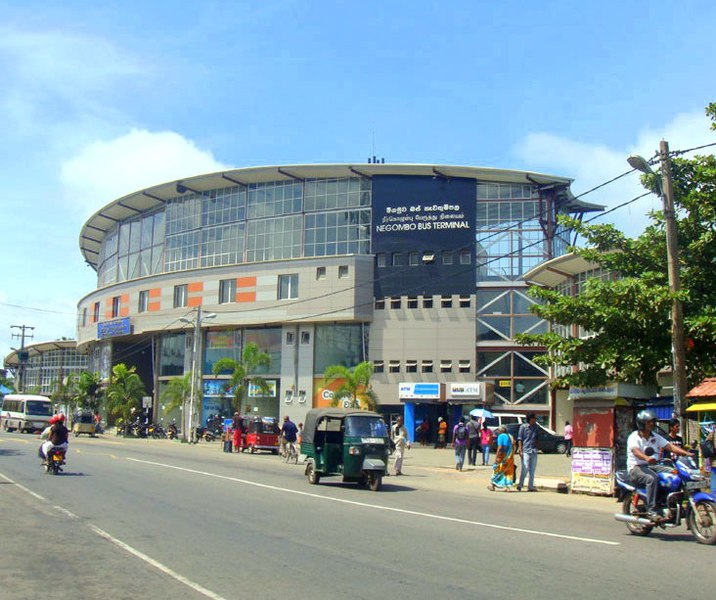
(311, 475)
(375, 482)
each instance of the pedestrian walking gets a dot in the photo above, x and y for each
(237, 427)
(401, 441)
(527, 449)
(486, 442)
(503, 471)
(568, 437)
(473, 440)
(442, 433)
(422, 431)
(459, 441)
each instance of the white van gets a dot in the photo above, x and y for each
(504, 419)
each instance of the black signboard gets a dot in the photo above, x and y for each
(423, 235)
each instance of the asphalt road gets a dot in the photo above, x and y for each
(160, 519)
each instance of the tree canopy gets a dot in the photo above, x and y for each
(628, 315)
(354, 387)
(124, 393)
(243, 373)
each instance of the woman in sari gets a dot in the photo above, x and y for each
(503, 475)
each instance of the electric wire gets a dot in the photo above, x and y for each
(501, 231)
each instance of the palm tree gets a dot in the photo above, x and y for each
(243, 373)
(65, 392)
(176, 393)
(89, 391)
(355, 385)
(124, 393)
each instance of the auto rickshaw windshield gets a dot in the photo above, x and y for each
(357, 426)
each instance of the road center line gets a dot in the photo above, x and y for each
(126, 547)
(380, 507)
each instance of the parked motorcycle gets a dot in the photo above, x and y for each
(680, 497)
(172, 430)
(157, 431)
(54, 462)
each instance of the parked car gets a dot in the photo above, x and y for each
(548, 441)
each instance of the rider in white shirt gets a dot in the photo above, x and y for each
(643, 448)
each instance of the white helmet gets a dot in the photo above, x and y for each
(643, 417)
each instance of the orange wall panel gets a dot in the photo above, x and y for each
(154, 306)
(155, 292)
(194, 301)
(195, 286)
(246, 296)
(243, 282)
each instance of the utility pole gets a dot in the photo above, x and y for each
(21, 353)
(665, 187)
(678, 349)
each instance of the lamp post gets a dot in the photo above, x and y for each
(678, 349)
(196, 321)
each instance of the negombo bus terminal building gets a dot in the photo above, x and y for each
(415, 268)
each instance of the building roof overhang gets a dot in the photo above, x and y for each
(148, 199)
(12, 360)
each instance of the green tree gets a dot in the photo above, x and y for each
(176, 393)
(65, 392)
(243, 373)
(124, 393)
(354, 385)
(90, 391)
(628, 315)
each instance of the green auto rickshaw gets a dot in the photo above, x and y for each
(344, 441)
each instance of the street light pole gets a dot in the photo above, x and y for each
(196, 321)
(678, 348)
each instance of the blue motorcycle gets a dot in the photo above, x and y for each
(680, 497)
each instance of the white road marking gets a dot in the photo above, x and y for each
(380, 507)
(126, 547)
(156, 564)
(23, 488)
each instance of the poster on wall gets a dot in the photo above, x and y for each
(324, 392)
(593, 470)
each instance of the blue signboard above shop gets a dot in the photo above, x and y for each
(114, 328)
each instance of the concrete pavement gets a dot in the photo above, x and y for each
(553, 470)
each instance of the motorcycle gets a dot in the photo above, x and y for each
(54, 462)
(157, 431)
(172, 430)
(680, 497)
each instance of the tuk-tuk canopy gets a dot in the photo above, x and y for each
(315, 415)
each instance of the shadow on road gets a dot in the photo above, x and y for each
(10, 452)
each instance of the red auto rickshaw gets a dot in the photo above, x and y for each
(263, 434)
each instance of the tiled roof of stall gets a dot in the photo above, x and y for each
(147, 199)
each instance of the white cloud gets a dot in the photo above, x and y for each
(594, 164)
(104, 170)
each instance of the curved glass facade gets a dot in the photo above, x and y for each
(225, 226)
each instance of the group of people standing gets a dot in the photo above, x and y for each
(469, 439)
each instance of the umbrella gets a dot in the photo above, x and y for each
(481, 413)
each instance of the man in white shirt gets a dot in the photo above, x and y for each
(643, 448)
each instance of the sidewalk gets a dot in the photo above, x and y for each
(553, 470)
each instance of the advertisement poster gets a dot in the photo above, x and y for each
(593, 470)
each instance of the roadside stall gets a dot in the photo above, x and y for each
(603, 419)
(704, 409)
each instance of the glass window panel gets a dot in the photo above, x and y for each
(525, 368)
(494, 364)
(338, 345)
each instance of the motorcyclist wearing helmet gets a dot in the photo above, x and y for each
(56, 436)
(643, 449)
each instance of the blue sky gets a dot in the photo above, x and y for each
(100, 99)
